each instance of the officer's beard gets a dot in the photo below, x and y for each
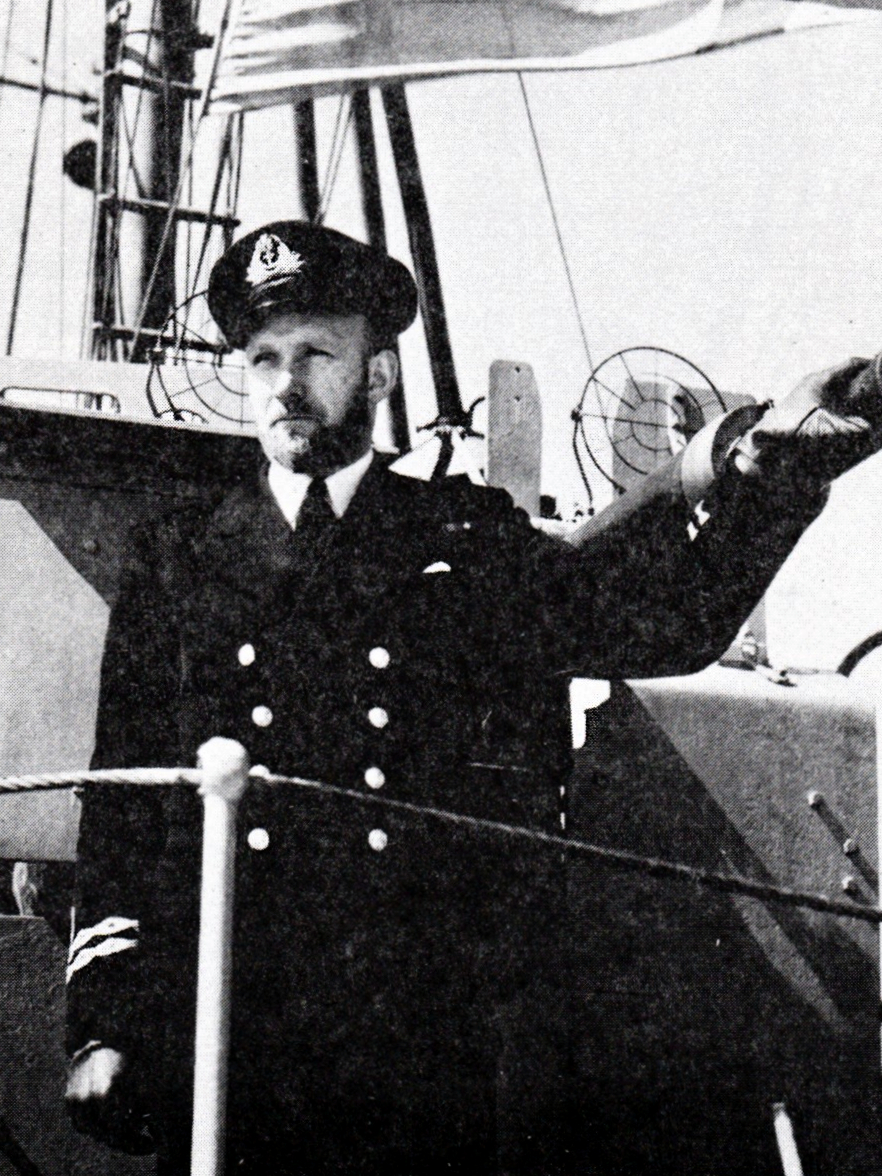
(333, 447)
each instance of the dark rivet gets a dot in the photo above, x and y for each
(90, 546)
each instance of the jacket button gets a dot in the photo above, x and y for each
(261, 716)
(258, 839)
(246, 655)
(377, 717)
(378, 840)
(379, 657)
(374, 778)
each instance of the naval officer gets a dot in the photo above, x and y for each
(400, 985)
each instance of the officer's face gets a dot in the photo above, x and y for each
(314, 386)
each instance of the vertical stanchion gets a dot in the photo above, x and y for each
(879, 837)
(786, 1141)
(224, 766)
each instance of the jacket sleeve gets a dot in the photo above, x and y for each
(137, 711)
(112, 978)
(108, 975)
(650, 587)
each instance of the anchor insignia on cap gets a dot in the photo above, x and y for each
(272, 259)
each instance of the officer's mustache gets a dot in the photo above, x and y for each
(355, 420)
(297, 407)
(332, 447)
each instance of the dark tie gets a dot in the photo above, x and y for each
(316, 511)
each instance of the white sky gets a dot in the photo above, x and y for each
(725, 207)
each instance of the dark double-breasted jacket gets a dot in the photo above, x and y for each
(421, 650)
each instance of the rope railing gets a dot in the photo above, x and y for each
(222, 779)
(148, 777)
(613, 858)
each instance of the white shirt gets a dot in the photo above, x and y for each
(289, 489)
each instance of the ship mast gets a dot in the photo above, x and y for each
(147, 96)
(148, 82)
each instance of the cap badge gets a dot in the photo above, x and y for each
(272, 259)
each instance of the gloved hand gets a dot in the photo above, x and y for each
(101, 1104)
(829, 422)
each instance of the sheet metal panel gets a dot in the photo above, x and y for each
(696, 1012)
(71, 487)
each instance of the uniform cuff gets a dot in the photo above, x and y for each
(704, 457)
(89, 1048)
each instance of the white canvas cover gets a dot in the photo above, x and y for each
(276, 50)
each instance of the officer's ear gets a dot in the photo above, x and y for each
(382, 375)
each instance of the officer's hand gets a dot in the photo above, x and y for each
(101, 1105)
(829, 422)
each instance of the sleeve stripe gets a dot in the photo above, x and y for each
(105, 948)
(110, 926)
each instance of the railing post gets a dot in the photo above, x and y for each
(224, 766)
(879, 833)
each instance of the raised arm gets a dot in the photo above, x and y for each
(675, 566)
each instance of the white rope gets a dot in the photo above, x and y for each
(615, 858)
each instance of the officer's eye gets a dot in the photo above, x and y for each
(261, 358)
(312, 351)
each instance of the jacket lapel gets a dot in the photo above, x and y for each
(249, 548)
(247, 544)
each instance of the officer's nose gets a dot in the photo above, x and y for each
(291, 388)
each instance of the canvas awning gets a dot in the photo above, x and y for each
(275, 51)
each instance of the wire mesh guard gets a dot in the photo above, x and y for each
(638, 408)
(194, 377)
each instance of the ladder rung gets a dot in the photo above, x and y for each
(131, 204)
(158, 85)
(164, 340)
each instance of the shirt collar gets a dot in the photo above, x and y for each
(289, 489)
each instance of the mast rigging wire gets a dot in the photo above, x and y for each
(90, 312)
(188, 259)
(106, 297)
(130, 133)
(59, 91)
(225, 157)
(63, 219)
(32, 172)
(338, 143)
(235, 168)
(554, 218)
(186, 164)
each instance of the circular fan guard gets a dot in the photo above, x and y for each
(192, 375)
(647, 403)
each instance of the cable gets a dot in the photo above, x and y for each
(129, 133)
(615, 858)
(32, 171)
(88, 310)
(556, 223)
(185, 167)
(105, 228)
(338, 143)
(577, 428)
(332, 152)
(188, 259)
(7, 45)
(63, 218)
(236, 159)
(224, 156)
